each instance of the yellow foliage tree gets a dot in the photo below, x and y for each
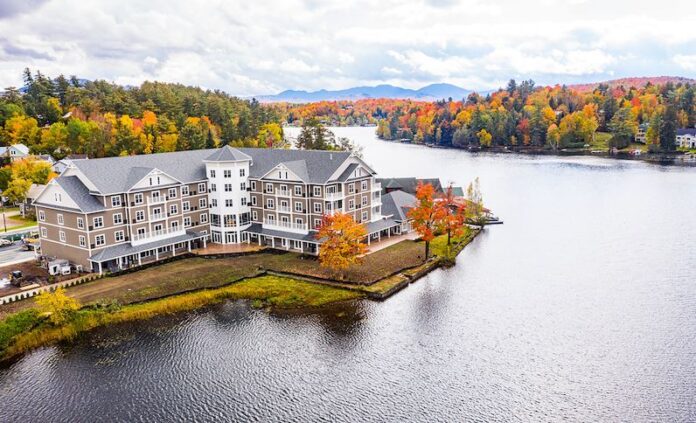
(484, 138)
(57, 305)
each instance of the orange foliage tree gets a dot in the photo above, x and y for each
(454, 215)
(342, 246)
(427, 216)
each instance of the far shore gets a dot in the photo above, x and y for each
(677, 158)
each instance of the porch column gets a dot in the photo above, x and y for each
(189, 246)
(368, 238)
(140, 259)
(273, 242)
(259, 239)
(204, 242)
(156, 254)
(173, 250)
(100, 267)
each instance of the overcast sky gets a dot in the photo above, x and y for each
(261, 47)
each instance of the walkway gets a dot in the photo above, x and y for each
(388, 241)
(229, 248)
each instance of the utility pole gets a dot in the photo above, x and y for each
(4, 222)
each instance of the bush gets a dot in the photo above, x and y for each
(619, 141)
(15, 324)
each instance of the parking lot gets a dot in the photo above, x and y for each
(14, 254)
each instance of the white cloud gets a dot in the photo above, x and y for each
(344, 57)
(336, 44)
(685, 61)
(294, 65)
(391, 71)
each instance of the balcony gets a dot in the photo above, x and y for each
(284, 209)
(139, 239)
(331, 212)
(376, 187)
(155, 200)
(158, 216)
(285, 226)
(283, 192)
(334, 196)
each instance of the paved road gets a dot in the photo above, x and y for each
(14, 254)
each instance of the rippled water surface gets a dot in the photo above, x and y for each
(581, 307)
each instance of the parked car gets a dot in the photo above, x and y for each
(5, 242)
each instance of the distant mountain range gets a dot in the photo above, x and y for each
(638, 82)
(435, 92)
(428, 93)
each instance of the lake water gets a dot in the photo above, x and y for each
(581, 307)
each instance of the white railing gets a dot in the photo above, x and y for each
(158, 216)
(333, 196)
(155, 200)
(157, 235)
(332, 212)
(284, 209)
(283, 192)
(285, 226)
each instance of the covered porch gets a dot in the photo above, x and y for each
(296, 242)
(382, 229)
(124, 256)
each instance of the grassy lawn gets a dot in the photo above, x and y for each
(601, 141)
(374, 267)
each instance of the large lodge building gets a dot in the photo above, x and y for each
(114, 213)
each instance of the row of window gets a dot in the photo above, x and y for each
(227, 173)
(119, 236)
(228, 202)
(227, 187)
(98, 221)
(270, 219)
(171, 193)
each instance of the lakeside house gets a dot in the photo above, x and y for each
(118, 212)
(26, 207)
(686, 138)
(65, 162)
(642, 132)
(14, 152)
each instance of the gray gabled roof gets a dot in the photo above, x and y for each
(79, 193)
(346, 173)
(112, 175)
(397, 204)
(228, 154)
(115, 174)
(136, 175)
(320, 165)
(409, 184)
(686, 131)
(299, 168)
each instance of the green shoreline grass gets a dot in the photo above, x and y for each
(26, 330)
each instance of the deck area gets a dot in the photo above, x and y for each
(212, 249)
(385, 241)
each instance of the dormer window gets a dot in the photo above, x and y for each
(58, 197)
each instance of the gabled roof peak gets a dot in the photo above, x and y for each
(228, 154)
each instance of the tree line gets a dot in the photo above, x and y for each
(61, 116)
(522, 115)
